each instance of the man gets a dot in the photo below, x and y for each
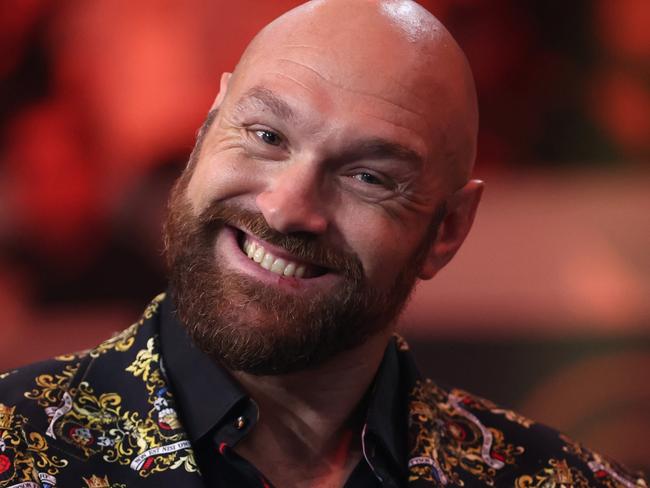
(332, 173)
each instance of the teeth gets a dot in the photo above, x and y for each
(268, 261)
(278, 266)
(259, 254)
(290, 269)
(249, 247)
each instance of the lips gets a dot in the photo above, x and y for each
(277, 260)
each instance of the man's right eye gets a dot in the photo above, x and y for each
(269, 137)
(368, 178)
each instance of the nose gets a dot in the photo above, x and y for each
(292, 202)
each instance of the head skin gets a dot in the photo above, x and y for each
(350, 123)
(421, 69)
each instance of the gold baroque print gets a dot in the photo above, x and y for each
(124, 340)
(120, 342)
(50, 387)
(98, 424)
(146, 366)
(605, 471)
(152, 308)
(95, 481)
(424, 463)
(24, 457)
(163, 416)
(45, 463)
(13, 463)
(477, 403)
(557, 474)
(448, 439)
(71, 356)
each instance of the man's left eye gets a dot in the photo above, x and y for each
(269, 137)
(368, 178)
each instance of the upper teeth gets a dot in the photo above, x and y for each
(268, 261)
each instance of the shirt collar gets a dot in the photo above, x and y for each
(387, 415)
(205, 391)
(194, 375)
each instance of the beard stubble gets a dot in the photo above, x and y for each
(257, 328)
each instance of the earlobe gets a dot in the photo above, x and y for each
(223, 88)
(452, 231)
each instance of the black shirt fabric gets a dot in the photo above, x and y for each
(218, 413)
(131, 412)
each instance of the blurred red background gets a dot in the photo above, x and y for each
(547, 306)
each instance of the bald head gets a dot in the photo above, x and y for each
(334, 176)
(393, 50)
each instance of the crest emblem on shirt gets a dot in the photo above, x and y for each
(96, 482)
(6, 416)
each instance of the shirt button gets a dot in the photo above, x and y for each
(240, 423)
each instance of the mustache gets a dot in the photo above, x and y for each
(304, 245)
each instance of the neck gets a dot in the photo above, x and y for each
(310, 421)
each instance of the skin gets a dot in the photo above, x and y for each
(350, 74)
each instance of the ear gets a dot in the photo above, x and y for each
(223, 88)
(458, 219)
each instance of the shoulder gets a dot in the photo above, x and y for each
(57, 414)
(27, 396)
(459, 438)
(51, 377)
(19, 385)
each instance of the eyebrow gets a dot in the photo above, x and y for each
(263, 96)
(374, 147)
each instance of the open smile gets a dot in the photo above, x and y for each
(277, 260)
(271, 264)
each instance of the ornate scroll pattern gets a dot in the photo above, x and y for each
(556, 474)
(607, 473)
(477, 403)
(50, 387)
(24, 456)
(124, 340)
(447, 440)
(99, 425)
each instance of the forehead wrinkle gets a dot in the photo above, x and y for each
(294, 80)
(352, 90)
(309, 68)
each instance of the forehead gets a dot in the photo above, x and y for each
(325, 91)
(262, 99)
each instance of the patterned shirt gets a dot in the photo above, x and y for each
(115, 417)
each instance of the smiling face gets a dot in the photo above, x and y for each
(314, 199)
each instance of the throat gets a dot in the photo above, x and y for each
(302, 464)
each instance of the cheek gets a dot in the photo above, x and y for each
(383, 242)
(221, 176)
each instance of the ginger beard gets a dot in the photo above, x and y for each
(260, 329)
